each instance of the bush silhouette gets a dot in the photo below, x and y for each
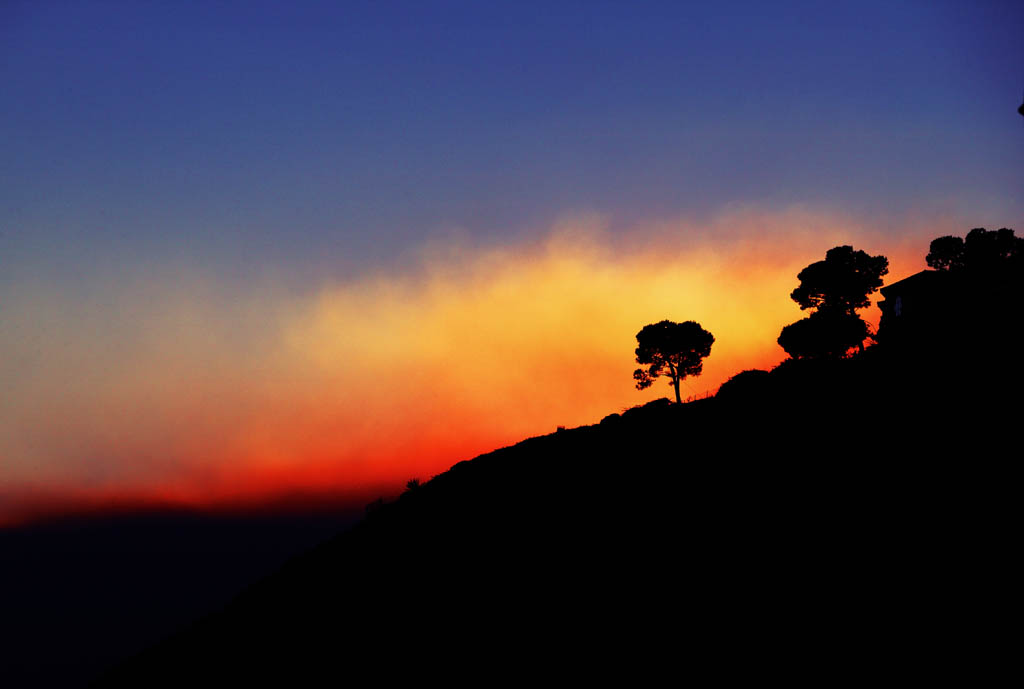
(674, 350)
(751, 384)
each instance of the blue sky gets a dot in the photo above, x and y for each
(318, 138)
(254, 247)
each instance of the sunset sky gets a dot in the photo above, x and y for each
(250, 251)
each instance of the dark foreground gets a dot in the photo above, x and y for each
(826, 520)
(79, 595)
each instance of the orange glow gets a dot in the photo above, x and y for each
(177, 390)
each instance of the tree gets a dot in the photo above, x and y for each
(946, 253)
(996, 251)
(834, 289)
(982, 252)
(675, 350)
(824, 334)
(842, 282)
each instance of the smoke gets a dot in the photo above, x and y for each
(174, 386)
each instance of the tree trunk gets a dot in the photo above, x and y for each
(675, 383)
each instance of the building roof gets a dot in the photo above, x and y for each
(926, 279)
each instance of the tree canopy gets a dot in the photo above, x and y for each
(833, 289)
(842, 282)
(825, 334)
(946, 253)
(982, 250)
(674, 350)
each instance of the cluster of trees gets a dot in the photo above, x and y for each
(981, 252)
(833, 290)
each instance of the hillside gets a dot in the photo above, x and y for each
(836, 513)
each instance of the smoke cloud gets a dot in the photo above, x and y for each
(174, 387)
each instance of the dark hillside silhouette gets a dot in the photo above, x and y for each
(746, 386)
(822, 519)
(849, 508)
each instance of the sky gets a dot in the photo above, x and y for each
(257, 250)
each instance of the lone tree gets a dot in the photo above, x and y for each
(675, 350)
(834, 289)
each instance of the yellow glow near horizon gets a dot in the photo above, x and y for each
(180, 390)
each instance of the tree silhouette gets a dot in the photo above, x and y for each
(842, 282)
(946, 253)
(982, 252)
(824, 334)
(834, 288)
(997, 251)
(675, 350)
